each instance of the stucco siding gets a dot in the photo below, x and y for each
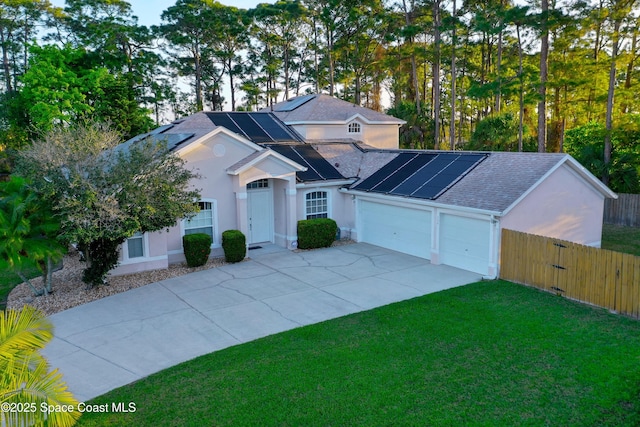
(155, 255)
(378, 136)
(381, 136)
(563, 206)
(340, 206)
(210, 161)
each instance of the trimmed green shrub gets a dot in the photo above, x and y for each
(316, 233)
(235, 245)
(197, 248)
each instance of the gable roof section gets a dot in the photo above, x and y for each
(495, 183)
(504, 178)
(249, 127)
(326, 109)
(259, 156)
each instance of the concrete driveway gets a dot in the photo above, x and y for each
(116, 340)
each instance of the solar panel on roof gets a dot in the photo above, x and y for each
(250, 128)
(453, 168)
(378, 176)
(276, 130)
(318, 168)
(422, 175)
(317, 162)
(257, 127)
(223, 119)
(401, 175)
(456, 168)
(286, 150)
(426, 192)
(173, 139)
(161, 129)
(293, 103)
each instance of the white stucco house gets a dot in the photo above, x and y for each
(317, 156)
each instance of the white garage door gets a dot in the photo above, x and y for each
(465, 243)
(399, 228)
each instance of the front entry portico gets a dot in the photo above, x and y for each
(265, 188)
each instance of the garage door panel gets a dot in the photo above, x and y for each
(398, 228)
(465, 243)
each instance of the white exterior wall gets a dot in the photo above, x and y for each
(382, 136)
(379, 136)
(340, 205)
(563, 206)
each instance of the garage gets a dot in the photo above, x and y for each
(465, 242)
(399, 228)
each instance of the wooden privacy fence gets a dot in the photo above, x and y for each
(596, 276)
(625, 210)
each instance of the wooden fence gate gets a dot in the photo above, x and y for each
(596, 276)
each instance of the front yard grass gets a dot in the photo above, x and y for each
(621, 239)
(489, 353)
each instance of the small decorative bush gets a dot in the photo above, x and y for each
(235, 245)
(197, 248)
(316, 233)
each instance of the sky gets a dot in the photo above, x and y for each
(149, 11)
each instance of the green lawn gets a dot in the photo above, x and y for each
(486, 354)
(621, 239)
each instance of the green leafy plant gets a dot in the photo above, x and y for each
(25, 379)
(103, 191)
(316, 233)
(28, 231)
(418, 131)
(497, 133)
(586, 145)
(234, 244)
(197, 248)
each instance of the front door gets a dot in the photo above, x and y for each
(260, 212)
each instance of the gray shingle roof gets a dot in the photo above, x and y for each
(352, 161)
(498, 181)
(494, 184)
(325, 108)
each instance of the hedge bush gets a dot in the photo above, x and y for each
(234, 244)
(316, 233)
(197, 248)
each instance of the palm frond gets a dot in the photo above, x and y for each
(36, 386)
(24, 330)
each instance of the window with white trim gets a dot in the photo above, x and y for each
(261, 183)
(317, 204)
(135, 246)
(355, 127)
(202, 222)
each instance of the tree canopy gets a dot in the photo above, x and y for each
(554, 66)
(104, 192)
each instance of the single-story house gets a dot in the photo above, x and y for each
(317, 156)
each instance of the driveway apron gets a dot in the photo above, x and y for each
(119, 339)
